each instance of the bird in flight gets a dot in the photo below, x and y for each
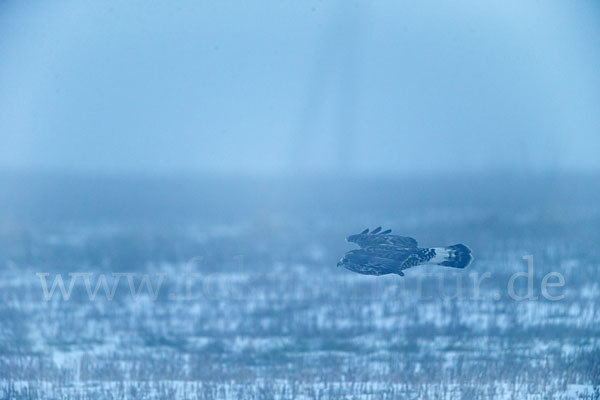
(381, 253)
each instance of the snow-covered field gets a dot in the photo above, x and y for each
(246, 300)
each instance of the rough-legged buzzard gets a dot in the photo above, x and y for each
(381, 253)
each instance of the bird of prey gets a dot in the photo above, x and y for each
(381, 253)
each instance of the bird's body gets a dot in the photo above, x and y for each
(382, 253)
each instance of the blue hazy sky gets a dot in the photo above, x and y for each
(280, 86)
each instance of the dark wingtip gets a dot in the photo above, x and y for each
(365, 231)
(376, 230)
(386, 232)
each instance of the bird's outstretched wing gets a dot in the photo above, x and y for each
(399, 241)
(377, 237)
(367, 261)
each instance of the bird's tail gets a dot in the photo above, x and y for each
(456, 256)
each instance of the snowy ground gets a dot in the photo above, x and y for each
(249, 302)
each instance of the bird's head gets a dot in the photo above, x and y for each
(353, 260)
